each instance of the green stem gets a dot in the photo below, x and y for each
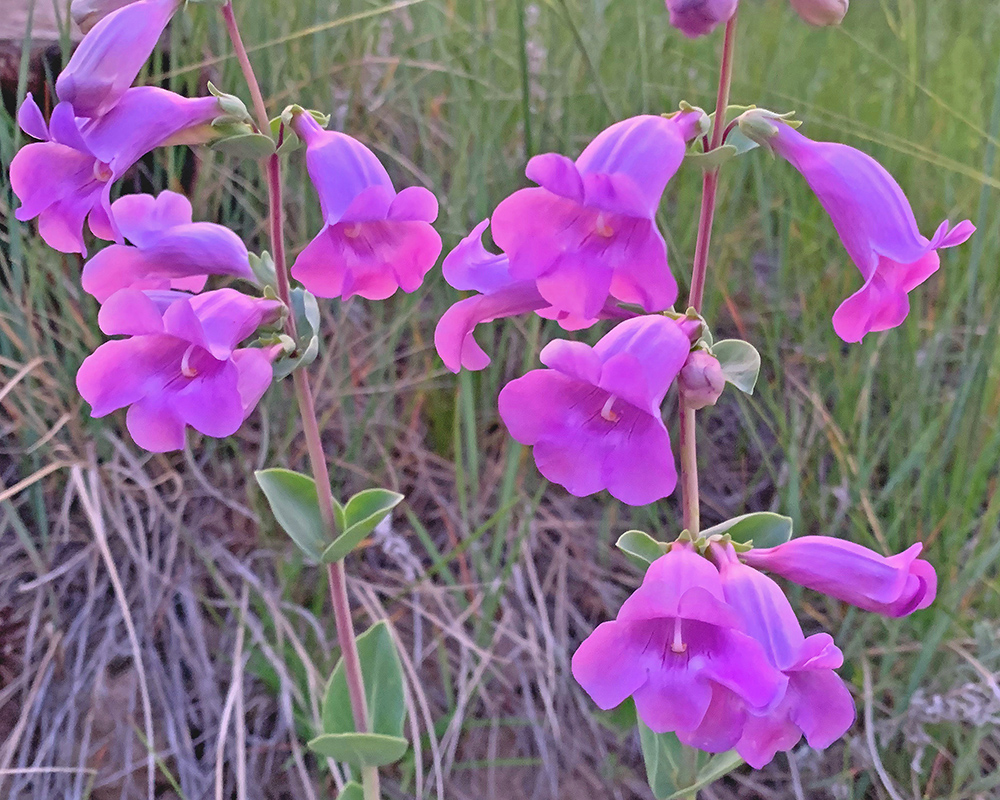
(310, 425)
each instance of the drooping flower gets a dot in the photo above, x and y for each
(180, 365)
(588, 230)
(821, 12)
(816, 703)
(110, 56)
(702, 380)
(594, 418)
(470, 266)
(167, 249)
(893, 586)
(698, 17)
(68, 175)
(679, 650)
(374, 240)
(873, 218)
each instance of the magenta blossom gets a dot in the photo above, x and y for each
(168, 250)
(816, 703)
(470, 266)
(874, 221)
(893, 586)
(588, 230)
(697, 17)
(110, 56)
(374, 240)
(68, 175)
(180, 365)
(702, 380)
(594, 418)
(679, 650)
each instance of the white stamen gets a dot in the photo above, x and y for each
(353, 231)
(186, 369)
(603, 228)
(677, 645)
(102, 172)
(608, 411)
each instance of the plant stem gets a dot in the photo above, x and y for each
(710, 186)
(337, 576)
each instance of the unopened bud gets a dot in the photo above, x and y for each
(87, 13)
(821, 12)
(697, 17)
(701, 380)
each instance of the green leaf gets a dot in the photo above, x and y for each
(307, 322)
(361, 749)
(360, 516)
(254, 146)
(718, 766)
(621, 719)
(383, 678)
(740, 363)
(664, 757)
(352, 791)
(263, 269)
(295, 504)
(762, 528)
(713, 159)
(641, 545)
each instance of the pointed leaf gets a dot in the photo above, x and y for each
(718, 766)
(383, 678)
(641, 545)
(361, 514)
(293, 500)
(740, 363)
(664, 756)
(762, 529)
(361, 749)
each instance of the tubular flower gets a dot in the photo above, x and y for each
(87, 13)
(695, 18)
(180, 365)
(470, 266)
(588, 230)
(702, 380)
(110, 56)
(168, 250)
(593, 417)
(873, 219)
(679, 650)
(68, 175)
(816, 703)
(893, 586)
(374, 240)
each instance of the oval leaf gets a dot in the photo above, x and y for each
(361, 514)
(740, 363)
(294, 502)
(383, 678)
(664, 757)
(361, 749)
(641, 545)
(762, 529)
(253, 146)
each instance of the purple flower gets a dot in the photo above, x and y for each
(695, 18)
(701, 380)
(893, 586)
(874, 221)
(168, 250)
(110, 56)
(821, 12)
(588, 230)
(471, 267)
(816, 703)
(374, 240)
(678, 649)
(180, 365)
(594, 418)
(68, 175)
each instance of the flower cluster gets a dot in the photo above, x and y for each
(709, 648)
(185, 361)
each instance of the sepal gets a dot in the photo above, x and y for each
(740, 363)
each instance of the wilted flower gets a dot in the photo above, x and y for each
(588, 231)
(594, 418)
(816, 703)
(701, 380)
(110, 56)
(872, 217)
(893, 586)
(180, 365)
(697, 17)
(68, 175)
(374, 240)
(679, 650)
(167, 249)
(821, 12)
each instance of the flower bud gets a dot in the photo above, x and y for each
(701, 380)
(821, 12)
(695, 18)
(87, 13)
